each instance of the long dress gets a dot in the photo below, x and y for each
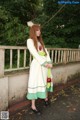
(38, 73)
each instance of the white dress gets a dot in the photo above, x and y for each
(38, 73)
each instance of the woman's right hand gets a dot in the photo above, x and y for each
(48, 65)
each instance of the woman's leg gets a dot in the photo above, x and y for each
(34, 109)
(33, 106)
(46, 97)
(46, 101)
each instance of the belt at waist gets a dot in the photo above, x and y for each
(42, 53)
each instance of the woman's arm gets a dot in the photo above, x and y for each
(48, 57)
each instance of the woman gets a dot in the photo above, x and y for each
(40, 76)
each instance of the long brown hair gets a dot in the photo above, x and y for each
(32, 35)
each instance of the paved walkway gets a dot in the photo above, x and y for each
(66, 106)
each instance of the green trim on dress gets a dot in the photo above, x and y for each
(37, 95)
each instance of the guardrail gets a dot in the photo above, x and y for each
(58, 56)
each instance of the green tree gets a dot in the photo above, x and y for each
(12, 32)
(62, 30)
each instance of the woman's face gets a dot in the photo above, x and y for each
(38, 32)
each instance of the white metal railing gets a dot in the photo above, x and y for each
(58, 56)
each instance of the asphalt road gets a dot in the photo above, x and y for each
(66, 106)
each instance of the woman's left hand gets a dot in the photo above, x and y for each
(50, 66)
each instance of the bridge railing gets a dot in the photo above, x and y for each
(64, 55)
(20, 56)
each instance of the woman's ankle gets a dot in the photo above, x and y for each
(46, 99)
(33, 107)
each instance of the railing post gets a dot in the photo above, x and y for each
(65, 57)
(2, 62)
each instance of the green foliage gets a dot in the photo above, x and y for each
(50, 7)
(12, 31)
(13, 20)
(61, 31)
(25, 10)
